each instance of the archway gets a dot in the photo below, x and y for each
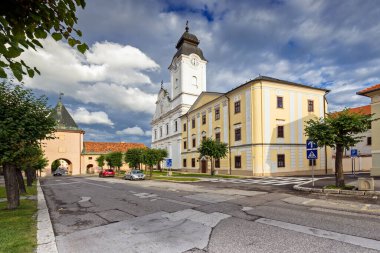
(90, 169)
(62, 163)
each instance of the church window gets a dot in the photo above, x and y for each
(203, 119)
(160, 131)
(167, 129)
(194, 81)
(217, 113)
(237, 106)
(184, 127)
(155, 134)
(193, 123)
(175, 126)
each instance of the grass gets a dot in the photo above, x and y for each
(18, 228)
(346, 187)
(30, 190)
(179, 179)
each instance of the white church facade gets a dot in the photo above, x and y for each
(187, 82)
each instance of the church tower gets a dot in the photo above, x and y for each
(187, 70)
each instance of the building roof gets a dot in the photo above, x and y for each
(188, 44)
(91, 147)
(365, 110)
(63, 118)
(369, 89)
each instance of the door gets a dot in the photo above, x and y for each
(204, 166)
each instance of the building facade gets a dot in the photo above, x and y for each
(75, 155)
(262, 121)
(374, 93)
(187, 82)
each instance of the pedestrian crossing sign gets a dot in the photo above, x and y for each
(312, 154)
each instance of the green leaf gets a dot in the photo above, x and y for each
(37, 71)
(57, 36)
(17, 70)
(82, 48)
(72, 42)
(2, 73)
(31, 73)
(79, 33)
(40, 33)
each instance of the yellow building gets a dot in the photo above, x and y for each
(262, 121)
(374, 93)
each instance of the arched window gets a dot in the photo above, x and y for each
(194, 81)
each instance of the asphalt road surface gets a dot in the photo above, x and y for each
(112, 215)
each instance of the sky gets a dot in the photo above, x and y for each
(111, 90)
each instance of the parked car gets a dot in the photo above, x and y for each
(107, 173)
(134, 175)
(60, 172)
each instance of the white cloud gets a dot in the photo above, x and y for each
(108, 74)
(82, 115)
(134, 131)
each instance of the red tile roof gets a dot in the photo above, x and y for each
(369, 89)
(366, 110)
(107, 147)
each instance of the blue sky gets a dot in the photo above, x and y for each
(111, 90)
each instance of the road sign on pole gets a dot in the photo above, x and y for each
(169, 163)
(311, 154)
(354, 153)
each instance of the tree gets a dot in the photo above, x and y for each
(212, 150)
(100, 161)
(115, 159)
(24, 22)
(150, 158)
(24, 121)
(161, 155)
(338, 130)
(55, 165)
(133, 157)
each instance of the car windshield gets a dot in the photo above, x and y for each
(109, 170)
(136, 172)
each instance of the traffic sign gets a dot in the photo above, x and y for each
(354, 153)
(312, 154)
(311, 145)
(168, 163)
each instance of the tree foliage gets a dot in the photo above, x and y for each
(212, 149)
(55, 165)
(24, 121)
(338, 130)
(100, 161)
(153, 156)
(114, 159)
(23, 23)
(134, 157)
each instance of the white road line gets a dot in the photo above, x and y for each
(76, 182)
(355, 240)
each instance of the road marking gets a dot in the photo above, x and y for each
(76, 182)
(84, 199)
(355, 240)
(104, 186)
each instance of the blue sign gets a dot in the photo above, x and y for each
(354, 153)
(312, 154)
(169, 163)
(311, 145)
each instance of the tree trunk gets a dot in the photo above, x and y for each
(159, 166)
(11, 186)
(151, 171)
(212, 166)
(29, 176)
(339, 176)
(20, 180)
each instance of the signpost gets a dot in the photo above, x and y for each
(312, 154)
(169, 163)
(354, 154)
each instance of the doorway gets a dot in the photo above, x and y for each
(203, 165)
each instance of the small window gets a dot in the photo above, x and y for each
(280, 102)
(237, 106)
(160, 131)
(184, 163)
(217, 163)
(369, 141)
(217, 137)
(184, 127)
(175, 126)
(217, 113)
(155, 133)
(280, 161)
(184, 144)
(280, 131)
(310, 105)
(194, 81)
(167, 129)
(90, 158)
(312, 162)
(237, 162)
(203, 119)
(193, 123)
(194, 143)
(193, 162)
(237, 134)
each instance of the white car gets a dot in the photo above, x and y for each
(134, 175)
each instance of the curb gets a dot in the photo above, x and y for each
(45, 235)
(373, 194)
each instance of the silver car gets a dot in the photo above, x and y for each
(134, 175)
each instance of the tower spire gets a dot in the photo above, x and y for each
(162, 84)
(187, 26)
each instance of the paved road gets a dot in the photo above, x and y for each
(111, 215)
